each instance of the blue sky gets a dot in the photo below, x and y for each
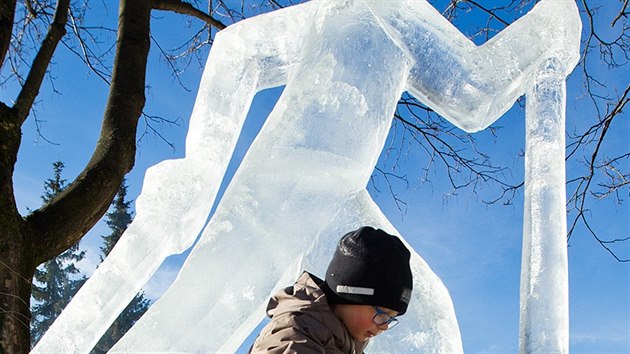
(474, 248)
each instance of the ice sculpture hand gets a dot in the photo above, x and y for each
(563, 27)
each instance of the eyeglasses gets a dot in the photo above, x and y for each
(382, 318)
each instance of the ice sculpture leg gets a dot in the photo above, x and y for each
(176, 199)
(544, 321)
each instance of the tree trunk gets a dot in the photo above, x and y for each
(16, 265)
(16, 273)
(7, 13)
(61, 223)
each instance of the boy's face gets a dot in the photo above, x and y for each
(358, 320)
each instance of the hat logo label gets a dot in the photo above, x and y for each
(346, 289)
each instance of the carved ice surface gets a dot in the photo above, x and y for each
(345, 63)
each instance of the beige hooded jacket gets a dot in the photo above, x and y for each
(302, 322)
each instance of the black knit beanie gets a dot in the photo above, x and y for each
(370, 267)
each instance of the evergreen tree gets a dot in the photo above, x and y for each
(56, 281)
(118, 219)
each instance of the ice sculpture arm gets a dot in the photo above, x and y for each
(472, 86)
(177, 195)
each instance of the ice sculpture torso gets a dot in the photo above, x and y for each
(330, 83)
(302, 183)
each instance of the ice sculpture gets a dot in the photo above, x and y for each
(345, 63)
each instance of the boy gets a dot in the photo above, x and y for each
(367, 286)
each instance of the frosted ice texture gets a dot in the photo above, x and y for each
(302, 183)
(544, 300)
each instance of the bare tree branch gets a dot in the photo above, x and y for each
(185, 8)
(85, 51)
(29, 91)
(462, 171)
(489, 12)
(7, 15)
(401, 205)
(618, 180)
(115, 151)
(622, 13)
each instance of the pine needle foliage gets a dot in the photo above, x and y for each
(56, 281)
